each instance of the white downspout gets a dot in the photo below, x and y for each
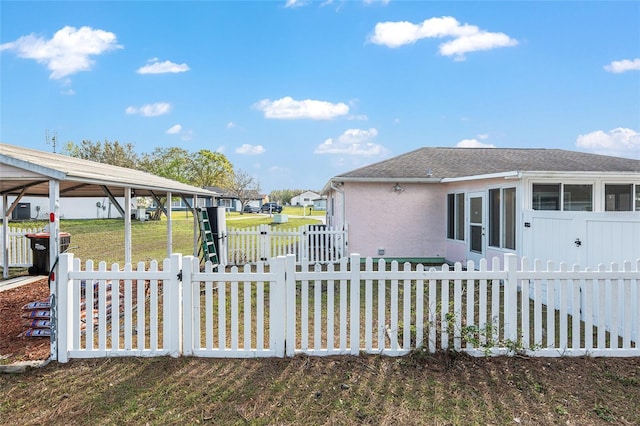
(337, 189)
(344, 218)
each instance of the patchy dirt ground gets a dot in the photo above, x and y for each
(13, 347)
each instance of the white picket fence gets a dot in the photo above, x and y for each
(313, 243)
(20, 253)
(284, 309)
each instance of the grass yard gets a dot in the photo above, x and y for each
(419, 389)
(103, 239)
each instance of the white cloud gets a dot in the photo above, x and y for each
(466, 38)
(624, 65)
(174, 130)
(156, 67)
(483, 136)
(384, 2)
(231, 125)
(621, 142)
(185, 135)
(290, 109)
(294, 3)
(150, 110)
(247, 149)
(353, 142)
(68, 52)
(473, 143)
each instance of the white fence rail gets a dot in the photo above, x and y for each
(284, 309)
(314, 243)
(20, 254)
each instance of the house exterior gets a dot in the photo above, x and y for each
(459, 204)
(304, 199)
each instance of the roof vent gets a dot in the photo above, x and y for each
(429, 174)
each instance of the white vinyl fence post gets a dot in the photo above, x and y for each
(188, 265)
(277, 308)
(290, 307)
(171, 289)
(511, 297)
(355, 303)
(62, 324)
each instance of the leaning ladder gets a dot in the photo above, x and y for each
(207, 249)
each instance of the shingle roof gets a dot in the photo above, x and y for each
(461, 162)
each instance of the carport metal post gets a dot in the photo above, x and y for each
(169, 227)
(5, 237)
(127, 224)
(54, 248)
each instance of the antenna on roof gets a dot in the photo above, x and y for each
(51, 140)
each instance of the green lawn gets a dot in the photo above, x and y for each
(103, 239)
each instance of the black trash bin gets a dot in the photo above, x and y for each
(40, 249)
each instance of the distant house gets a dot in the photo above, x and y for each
(225, 199)
(231, 202)
(459, 204)
(305, 198)
(320, 203)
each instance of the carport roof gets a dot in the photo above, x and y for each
(22, 168)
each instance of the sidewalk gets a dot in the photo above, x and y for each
(18, 281)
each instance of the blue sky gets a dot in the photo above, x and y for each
(295, 92)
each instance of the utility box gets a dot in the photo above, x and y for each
(21, 212)
(40, 249)
(141, 214)
(280, 218)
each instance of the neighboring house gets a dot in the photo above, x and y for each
(231, 202)
(304, 199)
(37, 208)
(459, 204)
(178, 204)
(227, 200)
(320, 203)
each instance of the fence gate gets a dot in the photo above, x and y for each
(313, 243)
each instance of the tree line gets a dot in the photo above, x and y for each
(201, 168)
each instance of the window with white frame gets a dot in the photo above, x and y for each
(577, 198)
(455, 216)
(618, 198)
(546, 196)
(502, 218)
(225, 202)
(559, 196)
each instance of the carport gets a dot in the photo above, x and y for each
(25, 171)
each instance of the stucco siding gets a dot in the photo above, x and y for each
(408, 223)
